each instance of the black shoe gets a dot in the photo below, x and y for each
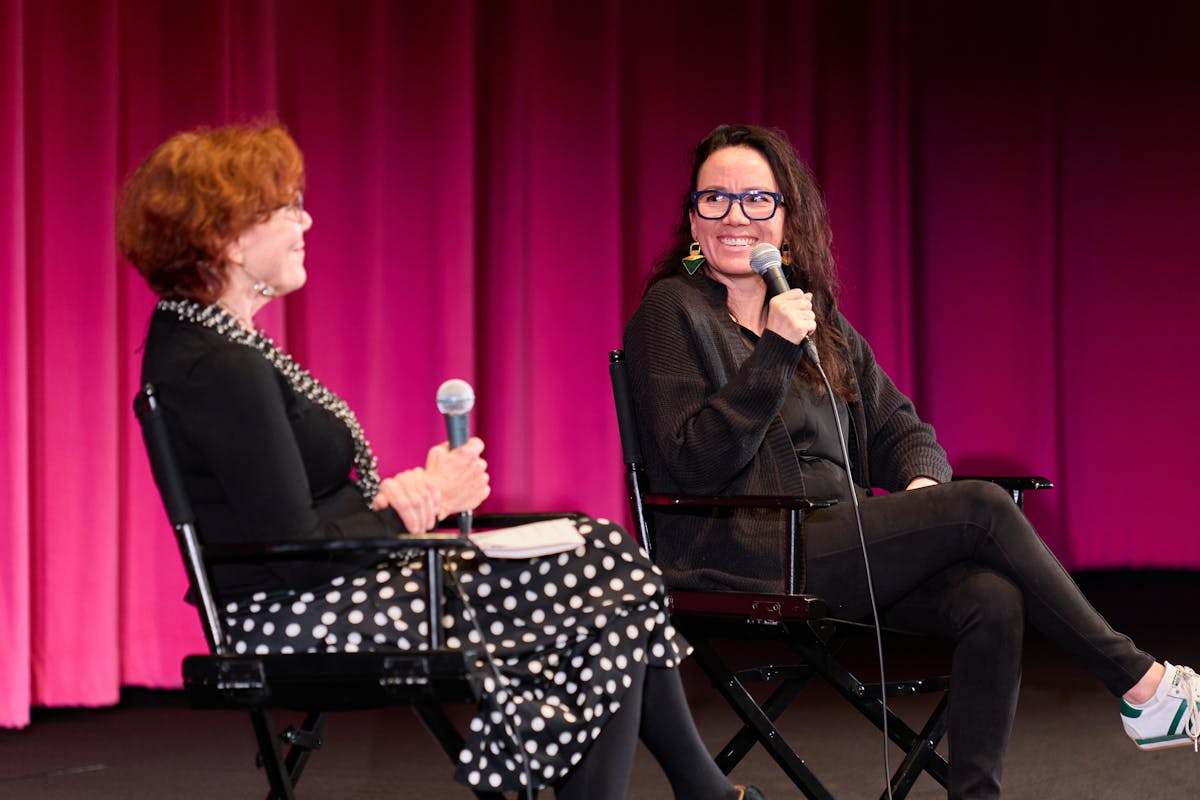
(750, 793)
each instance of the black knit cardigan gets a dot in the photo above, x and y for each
(708, 407)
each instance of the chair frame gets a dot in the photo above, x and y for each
(312, 683)
(800, 622)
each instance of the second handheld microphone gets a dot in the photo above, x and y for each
(766, 260)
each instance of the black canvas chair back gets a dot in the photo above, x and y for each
(799, 622)
(311, 683)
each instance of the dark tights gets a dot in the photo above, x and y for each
(960, 560)
(669, 734)
(671, 737)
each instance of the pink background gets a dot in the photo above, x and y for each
(1013, 190)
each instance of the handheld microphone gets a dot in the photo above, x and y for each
(455, 399)
(767, 262)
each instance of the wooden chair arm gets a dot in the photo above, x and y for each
(786, 502)
(318, 549)
(1013, 483)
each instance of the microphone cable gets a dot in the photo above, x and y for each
(767, 261)
(862, 540)
(455, 398)
(514, 734)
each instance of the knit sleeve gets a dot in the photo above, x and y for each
(900, 446)
(703, 409)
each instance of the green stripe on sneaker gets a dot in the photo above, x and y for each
(1128, 710)
(1183, 704)
(1178, 737)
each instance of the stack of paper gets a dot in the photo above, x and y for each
(526, 541)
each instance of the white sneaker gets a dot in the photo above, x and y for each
(1170, 718)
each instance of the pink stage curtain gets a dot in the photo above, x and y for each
(1012, 189)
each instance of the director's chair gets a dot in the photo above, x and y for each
(797, 621)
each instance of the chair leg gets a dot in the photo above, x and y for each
(302, 743)
(919, 749)
(434, 719)
(743, 703)
(816, 658)
(744, 740)
(271, 756)
(284, 769)
(923, 756)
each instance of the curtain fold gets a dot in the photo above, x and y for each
(15, 611)
(72, 352)
(1011, 191)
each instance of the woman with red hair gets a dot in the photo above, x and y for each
(215, 222)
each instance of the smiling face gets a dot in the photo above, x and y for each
(272, 251)
(727, 242)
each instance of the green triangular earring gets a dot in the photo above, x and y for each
(694, 260)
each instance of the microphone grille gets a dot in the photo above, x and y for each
(763, 256)
(455, 397)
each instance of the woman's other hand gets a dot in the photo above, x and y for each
(791, 315)
(919, 481)
(461, 475)
(415, 495)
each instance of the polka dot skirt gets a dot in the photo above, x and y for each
(563, 631)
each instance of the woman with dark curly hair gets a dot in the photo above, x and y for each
(729, 404)
(215, 222)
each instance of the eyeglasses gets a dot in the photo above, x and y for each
(755, 204)
(294, 209)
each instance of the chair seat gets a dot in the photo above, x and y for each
(332, 681)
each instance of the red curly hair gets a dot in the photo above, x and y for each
(196, 193)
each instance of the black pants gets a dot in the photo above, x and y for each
(960, 560)
(655, 709)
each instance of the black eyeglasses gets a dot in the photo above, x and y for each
(756, 204)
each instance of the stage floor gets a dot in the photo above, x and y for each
(1068, 741)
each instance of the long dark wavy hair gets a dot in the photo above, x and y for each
(806, 232)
